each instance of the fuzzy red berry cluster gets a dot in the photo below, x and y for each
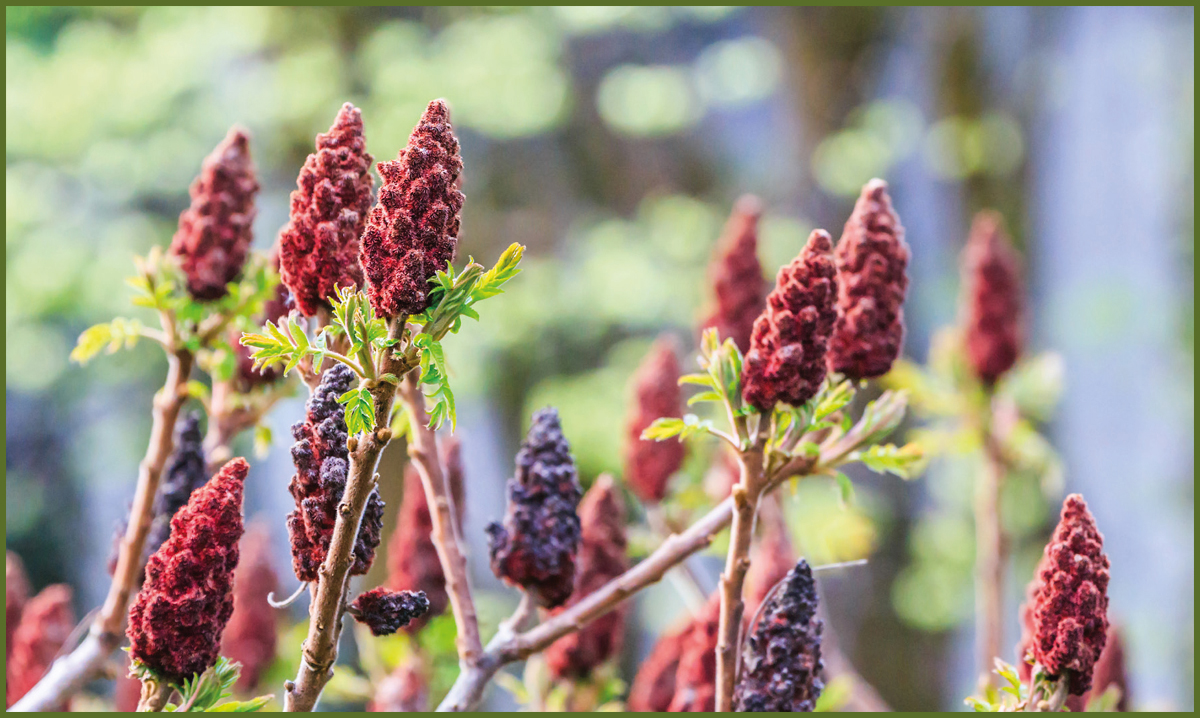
(215, 232)
(536, 545)
(737, 275)
(322, 461)
(412, 231)
(649, 464)
(37, 629)
(781, 659)
(385, 611)
(992, 279)
(786, 362)
(872, 261)
(696, 677)
(318, 249)
(601, 559)
(175, 624)
(1067, 614)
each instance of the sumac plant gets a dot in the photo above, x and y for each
(371, 286)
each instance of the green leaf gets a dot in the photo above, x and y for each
(262, 440)
(663, 428)
(901, 461)
(845, 488)
(700, 379)
(90, 342)
(704, 396)
(360, 411)
(251, 706)
(489, 285)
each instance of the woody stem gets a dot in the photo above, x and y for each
(746, 493)
(422, 448)
(319, 651)
(155, 694)
(990, 555)
(69, 673)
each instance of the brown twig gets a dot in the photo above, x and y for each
(990, 553)
(329, 596)
(69, 673)
(422, 447)
(746, 495)
(155, 694)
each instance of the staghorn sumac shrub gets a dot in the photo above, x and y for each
(536, 544)
(175, 624)
(322, 459)
(786, 362)
(318, 249)
(215, 232)
(872, 264)
(385, 611)
(412, 232)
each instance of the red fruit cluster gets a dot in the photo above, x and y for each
(246, 377)
(653, 687)
(601, 559)
(1068, 611)
(322, 462)
(175, 624)
(413, 230)
(992, 279)
(650, 464)
(872, 260)
(781, 660)
(696, 677)
(251, 635)
(16, 594)
(1109, 672)
(737, 275)
(535, 546)
(214, 233)
(318, 249)
(786, 361)
(385, 611)
(413, 561)
(46, 621)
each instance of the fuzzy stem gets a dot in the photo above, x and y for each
(319, 651)
(69, 673)
(423, 449)
(990, 555)
(746, 494)
(155, 694)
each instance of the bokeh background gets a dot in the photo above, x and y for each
(613, 142)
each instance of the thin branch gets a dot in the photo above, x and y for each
(69, 673)
(155, 694)
(228, 417)
(746, 495)
(422, 447)
(329, 600)
(468, 688)
(991, 552)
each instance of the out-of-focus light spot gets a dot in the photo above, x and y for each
(34, 357)
(680, 225)
(501, 75)
(897, 122)
(592, 20)
(737, 72)
(648, 101)
(707, 13)
(780, 239)
(878, 135)
(958, 147)
(846, 160)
